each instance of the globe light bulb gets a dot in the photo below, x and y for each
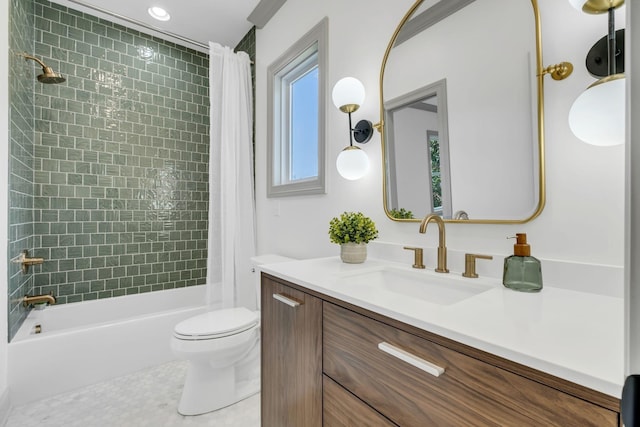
(348, 91)
(352, 163)
(597, 116)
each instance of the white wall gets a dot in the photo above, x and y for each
(583, 220)
(4, 186)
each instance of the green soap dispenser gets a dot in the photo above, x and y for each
(522, 272)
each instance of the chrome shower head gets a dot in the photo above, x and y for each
(48, 76)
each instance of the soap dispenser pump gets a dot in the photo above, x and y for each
(522, 272)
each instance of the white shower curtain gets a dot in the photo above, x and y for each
(231, 241)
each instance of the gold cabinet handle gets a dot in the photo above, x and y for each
(411, 359)
(417, 256)
(470, 264)
(286, 300)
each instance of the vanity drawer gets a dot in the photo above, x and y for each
(343, 409)
(469, 392)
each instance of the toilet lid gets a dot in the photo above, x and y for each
(215, 324)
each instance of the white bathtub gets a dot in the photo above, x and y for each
(88, 342)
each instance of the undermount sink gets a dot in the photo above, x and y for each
(387, 283)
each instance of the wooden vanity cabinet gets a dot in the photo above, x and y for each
(291, 344)
(358, 368)
(468, 392)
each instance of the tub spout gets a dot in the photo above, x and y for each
(28, 300)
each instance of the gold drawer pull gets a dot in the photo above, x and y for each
(405, 356)
(290, 302)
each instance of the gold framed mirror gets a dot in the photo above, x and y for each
(462, 112)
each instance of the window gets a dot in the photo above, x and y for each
(296, 94)
(433, 147)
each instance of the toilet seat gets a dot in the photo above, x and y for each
(216, 324)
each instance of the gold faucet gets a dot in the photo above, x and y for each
(417, 256)
(442, 248)
(470, 264)
(24, 260)
(28, 300)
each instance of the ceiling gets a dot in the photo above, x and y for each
(201, 21)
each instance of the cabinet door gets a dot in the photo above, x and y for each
(291, 357)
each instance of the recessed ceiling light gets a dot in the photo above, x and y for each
(159, 13)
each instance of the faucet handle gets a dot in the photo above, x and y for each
(417, 256)
(470, 264)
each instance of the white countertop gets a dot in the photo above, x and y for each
(577, 336)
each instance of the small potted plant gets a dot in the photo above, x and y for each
(352, 231)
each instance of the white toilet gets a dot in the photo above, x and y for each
(223, 350)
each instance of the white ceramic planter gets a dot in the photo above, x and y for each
(353, 253)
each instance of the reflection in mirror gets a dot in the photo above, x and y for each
(489, 149)
(418, 178)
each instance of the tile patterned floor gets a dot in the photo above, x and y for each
(143, 399)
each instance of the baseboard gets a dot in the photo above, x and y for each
(5, 406)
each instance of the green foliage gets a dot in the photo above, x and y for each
(401, 213)
(436, 179)
(352, 227)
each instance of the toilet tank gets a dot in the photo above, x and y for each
(259, 260)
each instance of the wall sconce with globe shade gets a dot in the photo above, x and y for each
(352, 162)
(597, 116)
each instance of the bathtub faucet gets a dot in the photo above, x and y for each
(37, 299)
(24, 260)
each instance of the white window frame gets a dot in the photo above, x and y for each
(279, 76)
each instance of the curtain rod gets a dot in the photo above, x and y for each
(144, 25)
(141, 24)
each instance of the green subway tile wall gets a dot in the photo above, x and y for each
(121, 160)
(21, 154)
(109, 170)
